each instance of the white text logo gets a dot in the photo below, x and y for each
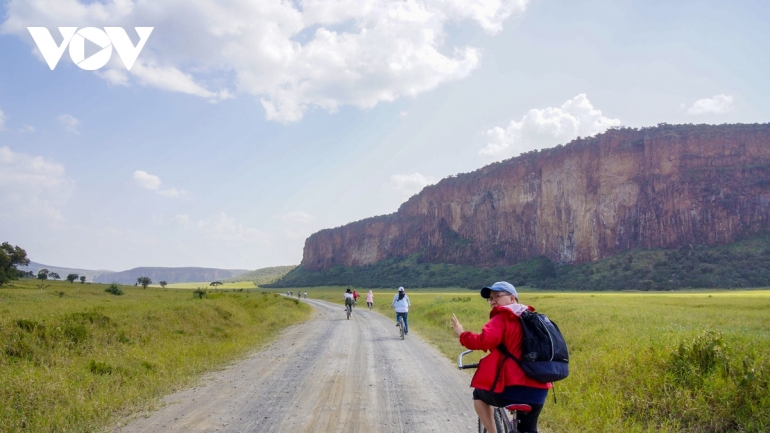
(76, 39)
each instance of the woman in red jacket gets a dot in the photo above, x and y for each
(499, 382)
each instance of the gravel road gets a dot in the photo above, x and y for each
(328, 374)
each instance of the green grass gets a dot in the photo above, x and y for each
(76, 358)
(695, 361)
(206, 285)
(262, 275)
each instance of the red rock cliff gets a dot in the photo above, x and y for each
(665, 186)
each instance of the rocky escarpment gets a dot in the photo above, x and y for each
(661, 187)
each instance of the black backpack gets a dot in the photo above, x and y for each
(544, 355)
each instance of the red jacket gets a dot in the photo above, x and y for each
(503, 326)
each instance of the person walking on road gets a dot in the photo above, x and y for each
(401, 305)
(370, 299)
(500, 381)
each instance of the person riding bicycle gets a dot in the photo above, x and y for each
(401, 305)
(499, 381)
(370, 299)
(355, 298)
(348, 297)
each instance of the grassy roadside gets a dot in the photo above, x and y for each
(75, 358)
(695, 361)
(206, 285)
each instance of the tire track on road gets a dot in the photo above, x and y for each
(328, 374)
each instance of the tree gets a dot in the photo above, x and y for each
(10, 257)
(42, 274)
(72, 277)
(163, 284)
(82, 279)
(144, 281)
(215, 283)
(54, 275)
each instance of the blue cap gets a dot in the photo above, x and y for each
(500, 286)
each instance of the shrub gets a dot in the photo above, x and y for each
(75, 333)
(693, 361)
(199, 293)
(27, 325)
(114, 289)
(97, 367)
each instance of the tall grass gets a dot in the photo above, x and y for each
(75, 358)
(665, 362)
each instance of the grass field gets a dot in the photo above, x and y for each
(75, 358)
(640, 362)
(206, 286)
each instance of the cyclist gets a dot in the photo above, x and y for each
(401, 305)
(348, 297)
(355, 298)
(370, 299)
(305, 295)
(499, 381)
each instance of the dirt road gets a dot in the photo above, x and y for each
(328, 374)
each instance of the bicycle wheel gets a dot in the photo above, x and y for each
(401, 327)
(500, 424)
(347, 310)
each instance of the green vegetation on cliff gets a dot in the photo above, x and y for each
(262, 275)
(738, 265)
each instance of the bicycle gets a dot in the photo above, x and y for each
(503, 423)
(348, 310)
(401, 327)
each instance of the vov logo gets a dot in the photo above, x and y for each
(76, 40)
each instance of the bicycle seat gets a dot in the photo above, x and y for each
(519, 408)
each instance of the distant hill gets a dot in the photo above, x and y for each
(262, 275)
(170, 275)
(63, 272)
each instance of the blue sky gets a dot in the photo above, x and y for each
(243, 127)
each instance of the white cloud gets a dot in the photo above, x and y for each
(290, 55)
(717, 104)
(32, 188)
(173, 192)
(173, 79)
(541, 128)
(114, 76)
(2, 120)
(26, 128)
(152, 182)
(221, 228)
(146, 180)
(410, 183)
(69, 123)
(298, 217)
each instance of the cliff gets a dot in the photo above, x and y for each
(659, 187)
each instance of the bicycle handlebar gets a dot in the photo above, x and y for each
(462, 366)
